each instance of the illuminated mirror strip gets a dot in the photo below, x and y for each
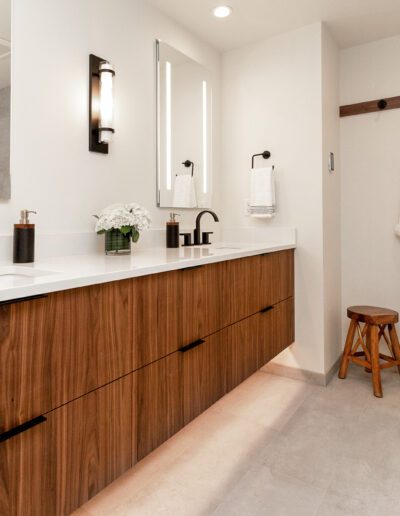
(205, 157)
(168, 122)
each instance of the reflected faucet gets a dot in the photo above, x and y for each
(203, 238)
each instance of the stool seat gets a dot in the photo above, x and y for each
(372, 315)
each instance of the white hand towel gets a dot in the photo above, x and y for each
(184, 192)
(262, 192)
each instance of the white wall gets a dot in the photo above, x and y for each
(52, 169)
(272, 100)
(370, 177)
(331, 200)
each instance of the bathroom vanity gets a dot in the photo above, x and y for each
(96, 375)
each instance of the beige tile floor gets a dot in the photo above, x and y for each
(274, 446)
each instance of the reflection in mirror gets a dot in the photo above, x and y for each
(5, 95)
(184, 130)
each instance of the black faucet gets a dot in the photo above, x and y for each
(199, 238)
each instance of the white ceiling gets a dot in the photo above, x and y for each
(351, 22)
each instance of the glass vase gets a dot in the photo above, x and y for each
(116, 243)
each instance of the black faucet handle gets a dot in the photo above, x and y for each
(187, 239)
(206, 237)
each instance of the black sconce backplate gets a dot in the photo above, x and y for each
(94, 93)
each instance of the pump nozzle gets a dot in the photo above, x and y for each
(25, 216)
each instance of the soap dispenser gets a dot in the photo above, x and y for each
(173, 231)
(24, 239)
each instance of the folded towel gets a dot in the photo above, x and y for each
(184, 192)
(262, 192)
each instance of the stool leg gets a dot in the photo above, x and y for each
(376, 371)
(368, 344)
(395, 342)
(347, 349)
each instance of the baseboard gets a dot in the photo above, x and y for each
(333, 370)
(302, 374)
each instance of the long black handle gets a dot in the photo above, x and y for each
(22, 299)
(192, 268)
(192, 345)
(266, 309)
(22, 428)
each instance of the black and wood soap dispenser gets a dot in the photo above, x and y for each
(24, 239)
(173, 231)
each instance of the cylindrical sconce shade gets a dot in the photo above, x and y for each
(106, 107)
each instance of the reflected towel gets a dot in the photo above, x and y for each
(184, 192)
(262, 192)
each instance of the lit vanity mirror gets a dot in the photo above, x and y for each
(184, 130)
(5, 96)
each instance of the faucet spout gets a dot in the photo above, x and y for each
(197, 231)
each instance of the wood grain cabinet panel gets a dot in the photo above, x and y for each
(156, 315)
(283, 330)
(243, 356)
(159, 403)
(239, 295)
(277, 277)
(60, 347)
(204, 374)
(201, 303)
(56, 466)
(276, 330)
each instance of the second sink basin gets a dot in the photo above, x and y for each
(18, 272)
(15, 275)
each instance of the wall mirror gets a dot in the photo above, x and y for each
(184, 130)
(5, 97)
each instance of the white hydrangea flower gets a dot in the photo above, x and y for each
(120, 215)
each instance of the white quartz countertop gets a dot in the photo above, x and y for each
(66, 272)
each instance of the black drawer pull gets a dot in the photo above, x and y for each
(266, 309)
(22, 428)
(22, 299)
(192, 345)
(191, 268)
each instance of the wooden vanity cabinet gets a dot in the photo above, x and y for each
(70, 454)
(109, 372)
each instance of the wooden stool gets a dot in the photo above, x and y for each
(376, 321)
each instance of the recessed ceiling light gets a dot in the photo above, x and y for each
(222, 11)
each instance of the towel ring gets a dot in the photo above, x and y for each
(189, 163)
(266, 155)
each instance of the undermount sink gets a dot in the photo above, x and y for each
(227, 247)
(15, 273)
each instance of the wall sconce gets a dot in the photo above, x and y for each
(101, 104)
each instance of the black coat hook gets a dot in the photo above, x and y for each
(382, 104)
(266, 155)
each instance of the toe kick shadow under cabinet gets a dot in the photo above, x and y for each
(93, 379)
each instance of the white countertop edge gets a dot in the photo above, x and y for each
(69, 280)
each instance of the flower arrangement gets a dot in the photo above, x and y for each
(122, 223)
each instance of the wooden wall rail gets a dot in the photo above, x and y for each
(370, 107)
